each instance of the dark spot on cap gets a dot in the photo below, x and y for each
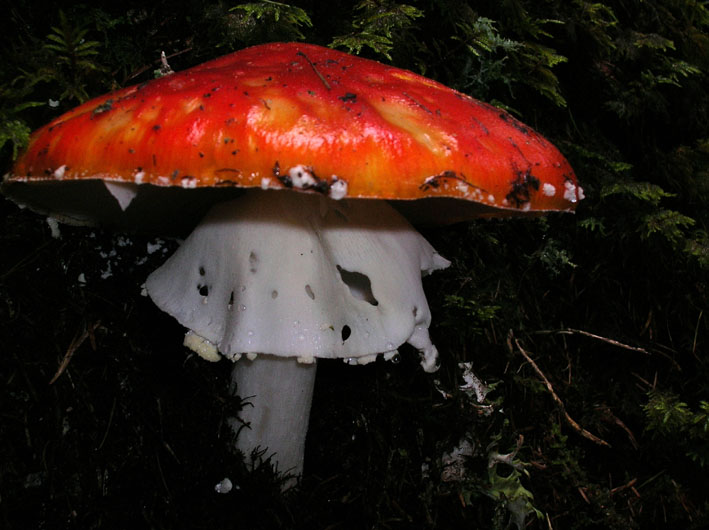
(284, 179)
(103, 107)
(521, 127)
(435, 181)
(521, 188)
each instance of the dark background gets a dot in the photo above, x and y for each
(610, 303)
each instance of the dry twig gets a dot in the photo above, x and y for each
(575, 426)
(609, 341)
(612, 418)
(571, 331)
(78, 339)
(629, 485)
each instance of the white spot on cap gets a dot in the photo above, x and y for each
(430, 181)
(302, 177)
(265, 183)
(548, 189)
(570, 191)
(138, 177)
(338, 188)
(189, 182)
(59, 172)
(579, 193)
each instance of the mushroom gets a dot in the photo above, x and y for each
(302, 151)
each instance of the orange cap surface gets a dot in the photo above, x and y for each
(254, 117)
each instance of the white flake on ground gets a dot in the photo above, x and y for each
(472, 382)
(224, 486)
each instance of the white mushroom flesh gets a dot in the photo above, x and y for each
(300, 275)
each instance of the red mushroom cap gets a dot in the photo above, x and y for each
(254, 117)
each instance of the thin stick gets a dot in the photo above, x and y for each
(609, 341)
(575, 426)
(108, 426)
(142, 69)
(571, 331)
(88, 333)
(312, 65)
(696, 332)
(629, 485)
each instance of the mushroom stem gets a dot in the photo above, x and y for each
(284, 278)
(277, 393)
